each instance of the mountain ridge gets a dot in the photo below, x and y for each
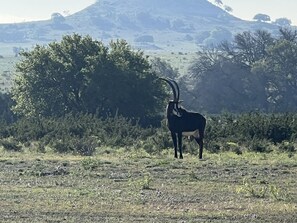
(147, 24)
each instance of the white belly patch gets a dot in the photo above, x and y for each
(195, 134)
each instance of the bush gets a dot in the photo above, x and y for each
(260, 146)
(287, 147)
(119, 132)
(83, 146)
(83, 133)
(10, 145)
(275, 128)
(213, 147)
(158, 139)
(79, 134)
(6, 115)
(27, 129)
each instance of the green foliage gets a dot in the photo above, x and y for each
(80, 74)
(251, 190)
(255, 131)
(79, 134)
(144, 183)
(82, 134)
(158, 140)
(259, 146)
(90, 164)
(27, 129)
(6, 115)
(214, 147)
(80, 146)
(10, 145)
(256, 71)
(287, 147)
(262, 189)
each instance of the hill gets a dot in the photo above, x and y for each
(148, 24)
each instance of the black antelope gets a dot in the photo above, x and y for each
(182, 122)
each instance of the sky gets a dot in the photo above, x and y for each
(12, 11)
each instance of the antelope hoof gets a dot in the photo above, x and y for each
(181, 157)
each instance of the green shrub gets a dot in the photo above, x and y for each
(80, 146)
(38, 146)
(157, 139)
(90, 164)
(27, 129)
(287, 147)
(119, 132)
(10, 145)
(233, 147)
(65, 132)
(84, 146)
(82, 133)
(261, 146)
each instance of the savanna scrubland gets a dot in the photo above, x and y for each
(83, 136)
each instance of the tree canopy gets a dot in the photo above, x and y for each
(256, 71)
(80, 74)
(262, 17)
(283, 22)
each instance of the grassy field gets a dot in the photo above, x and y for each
(120, 186)
(178, 60)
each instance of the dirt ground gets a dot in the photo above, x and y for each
(138, 187)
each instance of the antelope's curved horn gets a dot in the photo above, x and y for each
(172, 86)
(177, 89)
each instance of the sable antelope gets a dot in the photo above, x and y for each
(182, 122)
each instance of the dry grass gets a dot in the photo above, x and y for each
(137, 187)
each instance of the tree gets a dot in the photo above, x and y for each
(6, 114)
(283, 22)
(255, 71)
(288, 34)
(163, 69)
(262, 17)
(224, 85)
(219, 2)
(228, 8)
(248, 47)
(280, 67)
(57, 18)
(80, 74)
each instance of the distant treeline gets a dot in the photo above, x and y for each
(255, 72)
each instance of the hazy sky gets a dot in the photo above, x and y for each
(27, 10)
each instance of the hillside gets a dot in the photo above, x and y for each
(148, 24)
